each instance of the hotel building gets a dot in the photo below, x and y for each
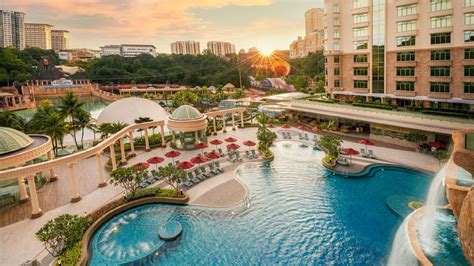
(313, 40)
(12, 29)
(59, 40)
(186, 47)
(221, 48)
(417, 53)
(38, 35)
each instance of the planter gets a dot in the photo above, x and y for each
(330, 166)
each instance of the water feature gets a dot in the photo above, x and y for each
(402, 253)
(298, 214)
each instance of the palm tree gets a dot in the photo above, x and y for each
(10, 119)
(143, 120)
(117, 126)
(105, 129)
(54, 126)
(81, 121)
(69, 106)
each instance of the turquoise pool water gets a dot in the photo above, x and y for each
(296, 213)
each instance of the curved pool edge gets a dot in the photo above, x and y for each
(369, 169)
(89, 234)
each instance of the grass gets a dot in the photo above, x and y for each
(154, 192)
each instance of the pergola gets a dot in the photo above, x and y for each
(188, 127)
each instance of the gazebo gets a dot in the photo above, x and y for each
(188, 127)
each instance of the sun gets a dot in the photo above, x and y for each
(266, 51)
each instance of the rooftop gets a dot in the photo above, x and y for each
(186, 112)
(13, 140)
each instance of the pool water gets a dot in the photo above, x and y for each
(296, 213)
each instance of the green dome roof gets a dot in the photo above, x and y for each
(13, 140)
(186, 112)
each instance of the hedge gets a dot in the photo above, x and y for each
(374, 105)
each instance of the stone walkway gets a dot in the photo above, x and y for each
(18, 242)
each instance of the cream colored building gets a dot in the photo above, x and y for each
(221, 48)
(313, 40)
(186, 47)
(413, 51)
(59, 40)
(12, 29)
(38, 35)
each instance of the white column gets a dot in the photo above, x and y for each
(100, 169)
(233, 122)
(132, 143)
(123, 160)
(242, 119)
(22, 188)
(196, 137)
(223, 125)
(75, 197)
(214, 124)
(163, 141)
(112, 157)
(147, 142)
(52, 173)
(174, 137)
(36, 211)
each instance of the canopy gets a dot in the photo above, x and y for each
(249, 143)
(185, 165)
(286, 126)
(141, 166)
(366, 142)
(301, 127)
(155, 160)
(198, 159)
(172, 154)
(350, 151)
(436, 144)
(233, 146)
(216, 142)
(128, 109)
(201, 145)
(213, 155)
(271, 126)
(230, 139)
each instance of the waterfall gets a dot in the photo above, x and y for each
(401, 253)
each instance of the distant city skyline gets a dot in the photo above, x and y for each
(265, 24)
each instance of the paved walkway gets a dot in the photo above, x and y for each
(18, 242)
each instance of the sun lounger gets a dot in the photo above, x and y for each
(371, 154)
(176, 162)
(254, 155)
(342, 161)
(203, 171)
(247, 154)
(193, 178)
(301, 135)
(218, 166)
(170, 164)
(199, 175)
(289, 135)
(188, 182)
(315, 137)
(221, 153)
(213, 169)
(237, 156)
(231, 158)
(362, 152)
(306, 136)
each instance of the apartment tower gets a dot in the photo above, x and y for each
(12, 29)
(59, 40)
(186, 47)
(221, 48)
(314, 33)
(38, 35)
(408, 50)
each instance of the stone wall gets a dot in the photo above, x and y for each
(466, 226)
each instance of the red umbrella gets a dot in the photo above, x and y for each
(366, 142)
(301, 127)
(155, 160)
(198, 159)
(271, 126)
(201, 145)
(141, 166)
(213, 155)
(233, 146)
(230, 139)
(216, 142)
(249, 143)
(172, 154)
(286, 126)
(185, 165)
(436, 144)
(350, 152)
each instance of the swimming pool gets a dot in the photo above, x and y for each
(296, 213)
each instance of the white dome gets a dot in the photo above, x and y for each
(127, 110)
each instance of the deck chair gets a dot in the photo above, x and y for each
(218, 166)
(371, 154)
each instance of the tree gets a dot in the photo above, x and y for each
(441, 155)
(141, 120)
(331, 145)
(265, 136)
(62, 233)
(128, 178)
(82, 120)
(70, 105)
(416, 137)
(173, 176)
(185, 97)
(10, 119)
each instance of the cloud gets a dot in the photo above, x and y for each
(125, 18)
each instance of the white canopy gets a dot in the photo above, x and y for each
(128, 109)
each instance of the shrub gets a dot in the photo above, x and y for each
(71, 256)
(374, 105)
(170, 193)
(62, 233)
(146, 192)
(128, 178)
(153, 139)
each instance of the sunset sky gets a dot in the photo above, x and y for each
(265, 24)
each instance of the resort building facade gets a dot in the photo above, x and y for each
(128, 50)
(38, 35)
(414, 53)
(314, 30)
(185, 47)
(59, 40)
(220, 48)
(12, 29)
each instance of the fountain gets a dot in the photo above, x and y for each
(402, 253)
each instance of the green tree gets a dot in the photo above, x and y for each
(70, 105)
(62, 233)
(173, 176)
(265, 136)
(56, 128)
(331, 145)
(128, 178)
(10, 119)
(82, 120)
(185, 97)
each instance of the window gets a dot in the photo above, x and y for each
(326, 71)
(438, 5)
(336, 46)
(336, 34)
(337, 83)
(439, 38)
(360, 71)
(359, 3)
(337, 59)
(405, 71)
(406, 57)
(335, 8)
(337, 71)
(469, 71)
(360, 18)
(469, 36)
(469, 53)
(469, 18)
(439, 87)
(406, 41)
(469, 87)
(406, 25)
(405, 86)
(441, 55)
(468, 3)
(441, 22)
(440, 71)
(361, 32)
(360, 84)
(335, 21)
(360, 45)
(362, 58)
(407, 10)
